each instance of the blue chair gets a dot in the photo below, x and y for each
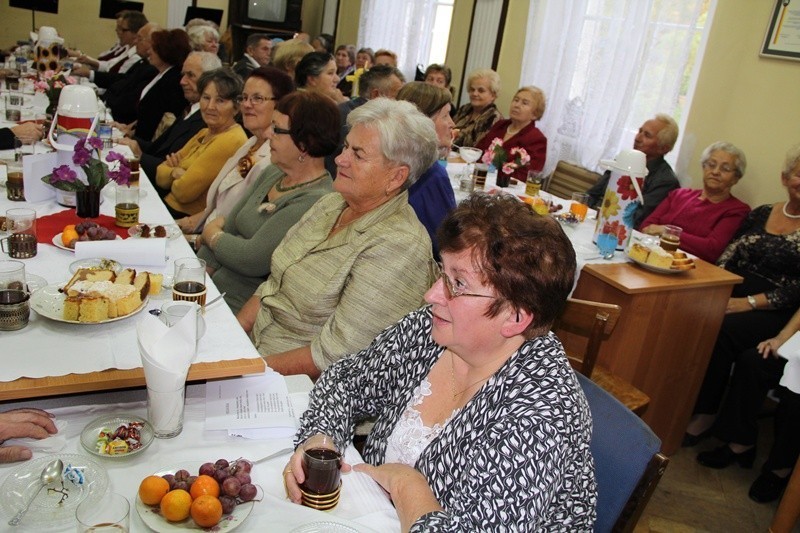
(627, 461)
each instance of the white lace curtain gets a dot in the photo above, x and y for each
(606, 66)
(404, 27)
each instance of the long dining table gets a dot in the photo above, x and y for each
(667, 327)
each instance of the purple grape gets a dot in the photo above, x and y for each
(181, 485)
(80, 228)
(92, 233)
(182, 475)
(243, 477)
(228, 504)
(247, 492)
(231, 486)
(221, 475)
(221, 463)
(191, 480)
(207, 469)
(243, 465)
(170, 479)
(83, 237)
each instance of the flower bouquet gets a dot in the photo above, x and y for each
(506, 162)
(86, 155)
(50, 83)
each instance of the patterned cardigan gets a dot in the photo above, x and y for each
(515, 458)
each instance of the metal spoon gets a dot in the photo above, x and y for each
(274, 455)
(50, 473)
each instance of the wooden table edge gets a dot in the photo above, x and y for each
(23, 388)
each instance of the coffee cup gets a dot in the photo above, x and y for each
(189, 281)
(15, 187)
(14, 296)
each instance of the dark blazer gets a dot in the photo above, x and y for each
(530, 138)
(6, 139)
(166, 96)
(243, 67)
(122, 95)
(154, 153)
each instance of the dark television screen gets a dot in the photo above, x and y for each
(110, 8)
(46, 6)
(267, 10)
(205, 13)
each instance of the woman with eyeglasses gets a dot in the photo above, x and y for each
(357, 260)
(481, 424)
(238, 248)
(186, 175)
(263, 87)
(709, 216)
(765, 252)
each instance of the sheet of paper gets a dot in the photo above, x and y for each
(248, 403)
(791, 372)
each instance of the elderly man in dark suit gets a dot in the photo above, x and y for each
(153, 153)
(258, 52)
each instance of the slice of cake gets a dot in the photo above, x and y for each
(156, 280)
(126, 277)
(89, 274)
(142, 284)
(639, 252)
(659, 257)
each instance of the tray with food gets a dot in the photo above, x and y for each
(656, 259)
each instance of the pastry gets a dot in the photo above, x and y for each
(637, 252)
(660, 258)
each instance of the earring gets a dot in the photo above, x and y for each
(301, 158)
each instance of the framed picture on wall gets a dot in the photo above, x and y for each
(783, 34)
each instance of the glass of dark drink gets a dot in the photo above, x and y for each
(21, 240)
(189, 283)
(14, 297)
(322, 463)
(671, 238)
(126, 208)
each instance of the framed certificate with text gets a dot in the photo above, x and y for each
(783, 34)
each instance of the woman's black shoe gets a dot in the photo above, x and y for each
(767, 487)
(723, 457)
(690, 440)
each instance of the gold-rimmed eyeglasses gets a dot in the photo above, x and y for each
(450, 291)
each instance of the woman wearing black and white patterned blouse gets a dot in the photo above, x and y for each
(481, 424)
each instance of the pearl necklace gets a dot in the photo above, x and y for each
(786, 213)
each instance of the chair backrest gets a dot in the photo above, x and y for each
(582, 326)
(627, 462)
(568, 178)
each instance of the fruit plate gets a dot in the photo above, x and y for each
(49, 303)
(58, 244)
(653, 268)
(90, 434)
(151, 514)
(54, 507)
(172, 230)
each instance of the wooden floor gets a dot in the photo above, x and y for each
(691, 497)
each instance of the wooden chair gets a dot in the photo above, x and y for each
(582, 327)
(627, 461)
(568, 178)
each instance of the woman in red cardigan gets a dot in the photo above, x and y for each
(519, 130)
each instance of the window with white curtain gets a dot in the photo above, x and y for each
(606, 66)
(416, 30)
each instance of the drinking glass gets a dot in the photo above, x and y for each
(607, 241)
(671, 238)
(21, 227)
(580, 205)
(322, 463)
(14, 297)
(15, 186)
(126, 207)
(189, 283)
(534, 183)
(111, 514)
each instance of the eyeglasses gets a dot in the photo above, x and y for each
(123, 30)
(255, 99)
(725, 169)
(450, 292)
(279, 131)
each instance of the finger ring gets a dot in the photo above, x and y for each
(289, 471)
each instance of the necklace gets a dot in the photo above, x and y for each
(453, 379)
(786, 213)
(280, 188)
(339, 223)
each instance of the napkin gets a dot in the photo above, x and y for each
(140, 252)
(34, 167)
(166, 355)
(790, 350)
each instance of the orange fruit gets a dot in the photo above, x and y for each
(68, 235)
(175, 506)
(204, 485)
(152, 489)
(206, 510)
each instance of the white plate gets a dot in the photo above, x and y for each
(91, 433)
(95, 263)
(151, 514)
(58, 244)
(49, 303)
(656, 269)
(48, 510)
(35, 282)
(172, 230)
(324, 527)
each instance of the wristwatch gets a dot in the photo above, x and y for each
(752, 301)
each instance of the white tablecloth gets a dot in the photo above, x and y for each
(364, 506)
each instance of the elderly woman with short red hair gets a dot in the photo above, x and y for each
(456, 444)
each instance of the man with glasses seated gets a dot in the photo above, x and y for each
(655, 138)
(122, 56)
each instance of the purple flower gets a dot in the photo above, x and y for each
(81, 155)
(116, 156)
(122, 175)
(63, 173)
(95, 142)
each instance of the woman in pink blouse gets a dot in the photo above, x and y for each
(709, 216)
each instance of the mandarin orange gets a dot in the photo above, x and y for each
(206, 510)
(204, 484)
(152, 489)
(176, 505)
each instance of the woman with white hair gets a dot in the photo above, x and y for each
(204, 38)
(475, 118)
(709, 216)
(358, 259)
